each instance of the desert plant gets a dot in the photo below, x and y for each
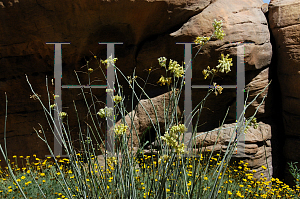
(295, 171)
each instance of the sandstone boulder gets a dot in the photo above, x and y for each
(146, 116)
(254, 147)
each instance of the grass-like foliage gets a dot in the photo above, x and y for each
(172, 171)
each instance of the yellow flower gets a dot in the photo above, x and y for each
(120, 129)
(224, 64)
(217, 89)
(201, 40)
(229, 193)
(90, 70)
(175, 68)
(162, 61)
(105, 112)
(163, 80)
(117, 99)
(109, 61)
(62, 115)
(219, 33)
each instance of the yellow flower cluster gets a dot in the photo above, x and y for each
(111, 161)
(163, 158)
(62, 115)
(219, 33)
(224, 64)
(178, 128)
(207, 72)
(201, 40)
(120, 129)
(52, 106)
(252, 122)
(109, 61)
(131, 79)
(117, 99)
(175, 68)
(217, 89)
(163, 80)
(105, 112)
(162, 61)
(171, 138)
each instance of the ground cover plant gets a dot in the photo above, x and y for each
(171, 171)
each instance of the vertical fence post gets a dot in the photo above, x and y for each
(110, 135)
(57, 100)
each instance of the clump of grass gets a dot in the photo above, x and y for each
(168, 172)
